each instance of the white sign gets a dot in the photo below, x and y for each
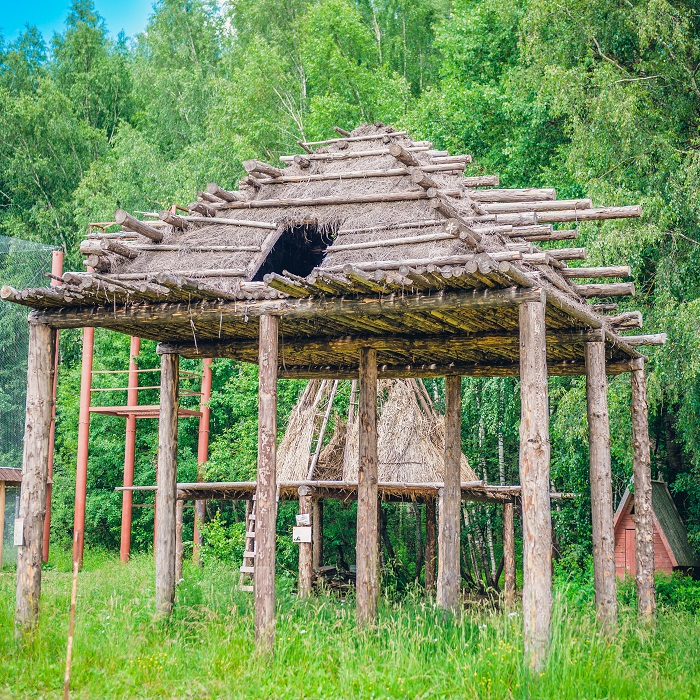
(301, 534)
(304, 519)
(19, 532)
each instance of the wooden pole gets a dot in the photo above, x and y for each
(534, 480)
(644, 525)
(430, 544)
(266, 492)
(57, 271)
(132, 399)
(166, 493)
(509, 554)
(83, 442)
(202, 453)
(317, 532)
(306, 572)
(448, 583)
(179, 511)
(2, 519)
(601, 486)
(35, 471)
(367, 494)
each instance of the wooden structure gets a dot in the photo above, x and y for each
(11, 478)
(672, 551)
(369, 256)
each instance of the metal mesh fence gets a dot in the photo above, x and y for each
(22, 264)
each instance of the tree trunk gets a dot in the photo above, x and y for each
(448, 586)
(644, 526)
(306, 572)
(166, 493)
(266, 492)
(534, 480)
(367, 494)
(35, 471)
(601, 486)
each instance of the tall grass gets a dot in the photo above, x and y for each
(207, 651)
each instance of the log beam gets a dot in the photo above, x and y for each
(534, 480)
(601, 486)
(166, 494)
(306, 572)
(125, 219)
(266, 492)
(643, 518)
(35, 472)
(449, 577)
(367, 503)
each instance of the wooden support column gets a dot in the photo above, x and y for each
(132, 399)
(449, 577)
(202, 453)
(266, 492)
(35, 472)
(643, 521)
(534, 481)
(367, 494)
(166, 493)
(601, 486)
(430, 544)
(2, 519)
(508, 555)
(179, 512)
(306, 572)
(317, 533)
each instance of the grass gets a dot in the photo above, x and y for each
(206, 651)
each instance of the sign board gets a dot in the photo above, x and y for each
(301, 534)
(19, 532)
(304, 519)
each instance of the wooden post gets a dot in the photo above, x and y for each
(179, 512)
(508, 555)
(35, 471)
(166, 493)
(132, 399)
(83, 443)
(266, 492)
(534, 481)
(2, 519)
(202, 453)
(306, 572)
(317, 533)
(449, 577)
(430, 544)
(367, 493)
(643, 521)
(601, 486)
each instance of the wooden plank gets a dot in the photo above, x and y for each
(166, 494)
(534, 480)
(449, 577)
(430, 544)
(644, 524)
(266, 491)
(508, 555)
(367, 584)
(306, 572)
(601, 487)
(35, 471)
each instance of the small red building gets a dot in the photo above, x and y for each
(672, 551)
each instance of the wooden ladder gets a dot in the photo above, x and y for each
(245, 581)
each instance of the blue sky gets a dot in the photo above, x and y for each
(49, 15)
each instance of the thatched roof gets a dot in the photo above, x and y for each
(374, 215)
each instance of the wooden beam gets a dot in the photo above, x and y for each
(386, 172)
(306, 572)
(317, 532)
(430, 544)
(257, 166)
(508, 555)
(637, 340)
(166, 495)
(449, 577)
(367, 585)
(534, 480)
(123, 218)
(353, 139)
(316, 308)
(179, 512)
(596, 272)
(643, 515)
(523, 194)
(266, 491)
(2, 519)
(617, 289)
(600, 214)
(546, 205)
(601, 487)
(355, 154)
(35, 471)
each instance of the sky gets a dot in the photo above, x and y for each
(50, 15)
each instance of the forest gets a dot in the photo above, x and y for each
(594, 97)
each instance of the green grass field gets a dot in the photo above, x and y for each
(207, 651)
